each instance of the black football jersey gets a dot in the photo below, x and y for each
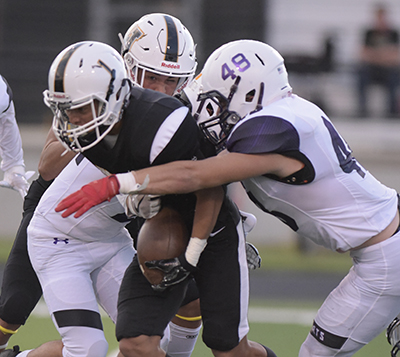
(149, 120)
(155, 129)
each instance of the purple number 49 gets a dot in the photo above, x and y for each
(240, 63)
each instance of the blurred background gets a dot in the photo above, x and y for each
(321, 42)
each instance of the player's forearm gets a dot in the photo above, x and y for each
(208, 205)
(176, 177)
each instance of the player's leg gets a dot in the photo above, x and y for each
(48, 349)
(185, 326)
(64, 270)
(223, 282)
(144, 314)
(108, 277)
(79, 326)
(20, 290)
(361, 307)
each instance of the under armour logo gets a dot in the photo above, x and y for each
(56, 240)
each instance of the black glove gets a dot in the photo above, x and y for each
(175, 271)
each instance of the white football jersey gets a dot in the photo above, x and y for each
(335, 201)
(100, 222)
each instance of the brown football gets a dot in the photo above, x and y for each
(164, 236)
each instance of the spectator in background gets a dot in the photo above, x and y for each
(380, 61)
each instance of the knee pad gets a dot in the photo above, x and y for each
(83, 342)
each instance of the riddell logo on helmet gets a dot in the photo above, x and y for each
(170, 65)
(59, 96)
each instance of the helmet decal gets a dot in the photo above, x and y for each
(112, 74)
(135, 35)
(60, 71)
(171, 50)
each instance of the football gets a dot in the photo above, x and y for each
(164, 236)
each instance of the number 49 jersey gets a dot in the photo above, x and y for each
(334, 201)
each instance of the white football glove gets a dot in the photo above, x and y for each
(16, 179)
(145, 206)
(253, 257)
(249, 221)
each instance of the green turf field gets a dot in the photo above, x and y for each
(284, 338)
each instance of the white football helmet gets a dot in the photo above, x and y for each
(87, 73)
(239, 77)
(159, 43)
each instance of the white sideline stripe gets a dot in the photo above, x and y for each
(256, 314)
(293, 316)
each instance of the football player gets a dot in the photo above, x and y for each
(151, 67)
(11, 145)
(151, 130)
(148, 48)
(21, 289)
(296, 166)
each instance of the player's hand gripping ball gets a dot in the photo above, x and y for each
(164, 236)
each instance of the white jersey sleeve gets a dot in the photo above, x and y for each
(337, 203)
(10, 139)
(103, 221)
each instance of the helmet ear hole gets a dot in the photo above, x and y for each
(210, 109)
(118, 94)
(250, 96)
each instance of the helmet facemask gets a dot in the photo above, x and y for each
(218, 127)
(79, 138)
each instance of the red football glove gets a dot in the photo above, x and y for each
(88, 196)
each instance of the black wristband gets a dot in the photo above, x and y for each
(185, 264)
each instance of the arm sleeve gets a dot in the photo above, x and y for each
(10, 139)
